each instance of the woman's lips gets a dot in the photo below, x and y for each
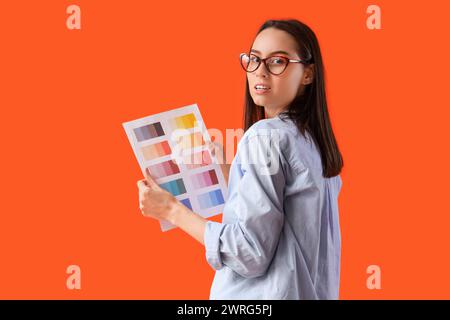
(261, 91)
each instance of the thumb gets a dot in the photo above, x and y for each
(151, 183)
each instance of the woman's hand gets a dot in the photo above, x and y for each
(157, 203)
(154, 201)
(217, 149)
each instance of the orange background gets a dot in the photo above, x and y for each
(68, 174)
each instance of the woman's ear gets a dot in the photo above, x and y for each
(308, 75)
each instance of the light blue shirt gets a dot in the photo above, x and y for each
(280, 235)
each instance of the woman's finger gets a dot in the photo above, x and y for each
(151, 183)
(142, 183)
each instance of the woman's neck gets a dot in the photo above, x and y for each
(273, 112)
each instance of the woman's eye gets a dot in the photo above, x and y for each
(277, 61)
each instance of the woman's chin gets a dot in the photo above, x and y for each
(260, 100)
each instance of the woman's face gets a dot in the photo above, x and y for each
(284, 87)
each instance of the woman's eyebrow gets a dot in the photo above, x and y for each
(274, 52)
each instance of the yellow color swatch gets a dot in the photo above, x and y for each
(184, 122)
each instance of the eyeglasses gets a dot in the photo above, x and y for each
(274, 64)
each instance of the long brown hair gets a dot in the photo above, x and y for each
(309, 110)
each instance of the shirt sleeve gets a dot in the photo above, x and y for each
(247, 246)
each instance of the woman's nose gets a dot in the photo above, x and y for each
(262, 70)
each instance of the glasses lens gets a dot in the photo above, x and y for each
(277, 65)
(249, 62)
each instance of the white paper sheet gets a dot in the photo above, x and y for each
(149, 137)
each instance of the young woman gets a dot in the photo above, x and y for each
(280, 235)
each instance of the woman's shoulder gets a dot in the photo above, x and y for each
(273, 123)
(266, 130)
(281, 128)
(299, 150)
(275, 134)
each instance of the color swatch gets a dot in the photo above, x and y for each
(164, 169)
(156, 150)
(184, 122)
(173, 146)
(190, 141)
(186, 202)
(149, 131)
(175, 187)
(197, 159)
(204, 179)
(211, 199)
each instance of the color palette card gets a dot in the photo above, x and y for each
(173, 146)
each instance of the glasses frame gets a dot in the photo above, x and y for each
(265, 63)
